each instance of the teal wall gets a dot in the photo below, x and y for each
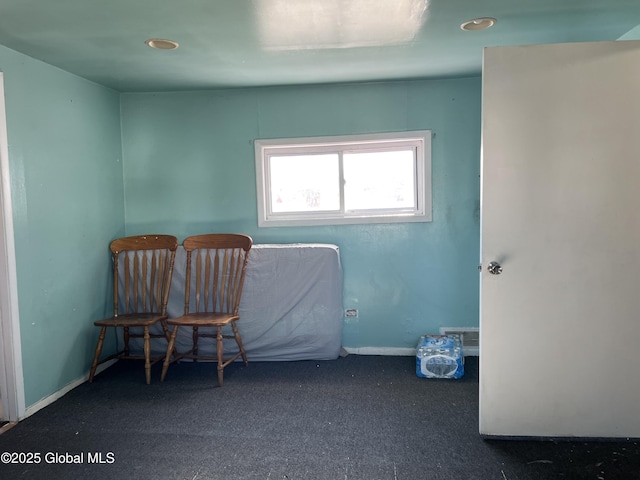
(68, 203)
(189, 168)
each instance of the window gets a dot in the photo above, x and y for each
(379, 178)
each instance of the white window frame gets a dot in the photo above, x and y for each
(420, 140)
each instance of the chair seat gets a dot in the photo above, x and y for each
(131, 320)
(203, 319)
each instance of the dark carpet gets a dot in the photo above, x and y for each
(358, 417)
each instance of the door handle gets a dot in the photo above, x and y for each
(494, 268)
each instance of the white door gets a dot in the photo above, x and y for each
(12, 406)
(560, 325)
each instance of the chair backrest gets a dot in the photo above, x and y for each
(142, 270)
(220, 261)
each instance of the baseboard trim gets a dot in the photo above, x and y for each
(7, 426)
(398, 351)
(389, 351)
(48, 400)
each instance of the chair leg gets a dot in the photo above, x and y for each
(170, 348)
(194, 351)
(96, 356)
(167, 335)
(239, 342)
(220, 351)
(126, 341)
(147, 355)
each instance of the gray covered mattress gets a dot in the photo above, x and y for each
(291, 306)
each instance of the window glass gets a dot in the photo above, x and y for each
(379, 180)
(304, 183)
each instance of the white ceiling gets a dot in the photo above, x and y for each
(239, 43)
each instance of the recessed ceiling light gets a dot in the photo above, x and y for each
(162, 44)
(479, 23)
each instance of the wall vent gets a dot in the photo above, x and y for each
(470, 337)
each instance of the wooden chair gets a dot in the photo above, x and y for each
(141, 301)
(220, 262)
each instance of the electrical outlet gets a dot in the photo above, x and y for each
(351, 312)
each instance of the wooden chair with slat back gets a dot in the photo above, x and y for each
(215, 271)
(142, 271)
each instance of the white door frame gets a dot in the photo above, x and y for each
(11, 377)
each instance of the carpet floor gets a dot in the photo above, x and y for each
(357, 417)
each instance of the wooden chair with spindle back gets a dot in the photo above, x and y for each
(142, 271)
(213, 290)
